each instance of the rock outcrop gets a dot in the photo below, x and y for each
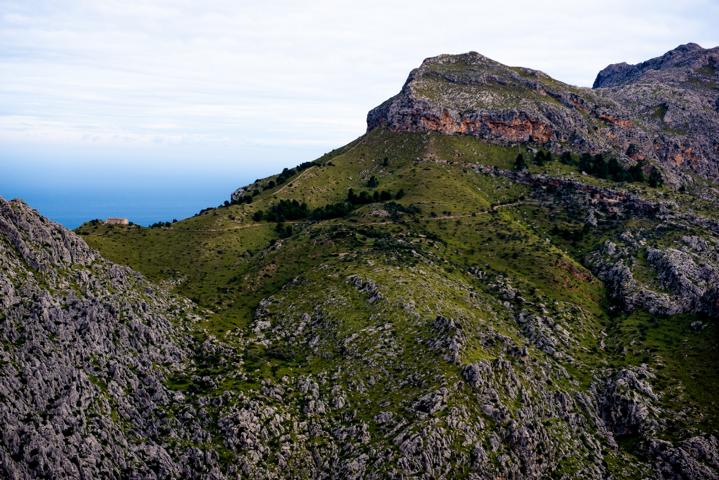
(683, 59)
(679, 279)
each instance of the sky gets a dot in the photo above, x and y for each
(160, 108)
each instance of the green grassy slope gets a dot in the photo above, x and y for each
(469, 234)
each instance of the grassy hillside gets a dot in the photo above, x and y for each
(359, 298)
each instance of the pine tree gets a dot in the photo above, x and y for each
(585, 163)
(616, 172)
(599, 166)
(636, 172)
(655, 178)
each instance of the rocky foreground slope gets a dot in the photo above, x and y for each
(665, 109)
(416, 304)
(86, 346)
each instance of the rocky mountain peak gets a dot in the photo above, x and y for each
(470, 57)
(669, 124)
(469, 61)
(675, 64)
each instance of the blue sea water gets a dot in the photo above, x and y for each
(175, 198)
(72, 188)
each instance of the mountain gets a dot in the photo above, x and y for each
(664, 110)
(492, 282)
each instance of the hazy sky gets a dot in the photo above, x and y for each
(248, 86)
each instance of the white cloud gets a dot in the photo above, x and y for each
(162, 74)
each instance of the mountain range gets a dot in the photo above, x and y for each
(505, 277)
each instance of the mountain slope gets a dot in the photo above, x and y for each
(462, 331)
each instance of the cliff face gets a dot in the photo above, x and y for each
(665, 110)
(675, 100)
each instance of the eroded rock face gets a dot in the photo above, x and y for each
(696, 457)
(86, 347)
(672, 96)
(627, 403)
(628, 406)
(472, 95)
(662, 110)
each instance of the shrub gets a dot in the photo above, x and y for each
(160, 224)
(616, 172)
(566, 158)
(655, 178)
(284, 175)
(283, 230)
(542, 157)
(636, 172)
(364, 197)
(395, 209)
(286, 210)
(333, 210)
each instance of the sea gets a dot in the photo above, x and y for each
(144, 191)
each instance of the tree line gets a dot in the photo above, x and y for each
(287, 210)
(599, 165)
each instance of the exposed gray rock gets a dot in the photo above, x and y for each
(86, 349)
(690, 55)
(449, 340)
(687, 275)
(366, 286)
(693, 277)
(627, 403)
(695, 457)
